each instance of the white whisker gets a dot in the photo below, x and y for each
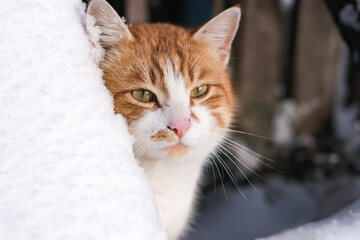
(247, 179)
(250, 134)
(229, 172)
(221, 178)
(250, 169)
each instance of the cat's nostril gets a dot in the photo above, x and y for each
(172, 128)
(180, 127)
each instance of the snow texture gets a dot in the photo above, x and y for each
(275, 206)
(67, 170)
(343, 226)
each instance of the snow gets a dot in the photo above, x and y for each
(67, 170)
(343, 226)
(283, 121)
(280, 204)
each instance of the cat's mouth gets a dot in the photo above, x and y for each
(177, 147)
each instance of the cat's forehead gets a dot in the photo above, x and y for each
(160, 35)
(159, 55)
(156, 50)
(170, 79)
(159, 43)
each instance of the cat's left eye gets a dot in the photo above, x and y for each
(199, 91)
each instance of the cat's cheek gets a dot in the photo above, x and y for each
(199, 135)
(147, 125)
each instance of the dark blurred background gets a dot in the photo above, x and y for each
(295, 69)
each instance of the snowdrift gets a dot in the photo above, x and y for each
(67, 170)
(66, 165)
(345, 225)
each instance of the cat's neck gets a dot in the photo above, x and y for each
(166, 169)
(174, 182)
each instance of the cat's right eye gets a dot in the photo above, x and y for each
(199, 91)
(143, 95)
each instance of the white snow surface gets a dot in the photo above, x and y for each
(342, 226)
(67, 170)
(289, 204)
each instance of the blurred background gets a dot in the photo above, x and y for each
(296, 73)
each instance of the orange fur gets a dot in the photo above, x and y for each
(176, 151)
(164, 136)
(140, 63)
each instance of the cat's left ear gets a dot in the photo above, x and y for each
(220, 31)
(112, 26)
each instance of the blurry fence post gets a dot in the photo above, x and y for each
(256, 64)
(137, 11)
(316, 64)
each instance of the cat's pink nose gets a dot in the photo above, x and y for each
(180, 127)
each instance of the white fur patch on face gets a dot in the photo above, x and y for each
(204, 134)
(178, 105)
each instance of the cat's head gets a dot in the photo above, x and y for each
(169, 83)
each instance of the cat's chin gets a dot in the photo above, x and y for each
(176, 151)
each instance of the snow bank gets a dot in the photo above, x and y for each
(343, 226)
(66, 166)
(278, 204)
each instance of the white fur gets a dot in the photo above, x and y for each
(177, 107)
(175, 180)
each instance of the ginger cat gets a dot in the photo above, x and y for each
(172, 87)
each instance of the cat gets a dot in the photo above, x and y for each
(172, 87)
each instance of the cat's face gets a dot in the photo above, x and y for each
(170, 84)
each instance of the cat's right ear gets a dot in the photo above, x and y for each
(111, 25)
